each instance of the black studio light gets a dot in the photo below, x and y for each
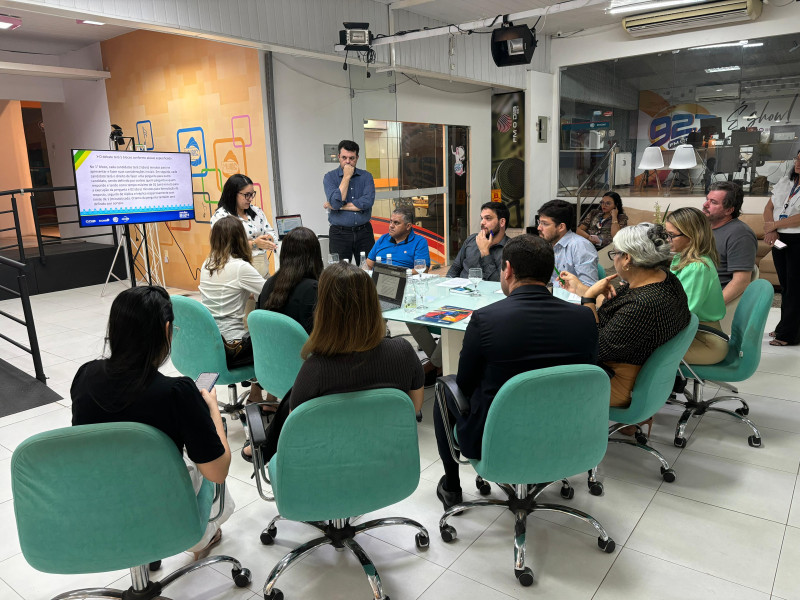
(513, 45)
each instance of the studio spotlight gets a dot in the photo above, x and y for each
(116, 135)
(356, 37)
(513, 45)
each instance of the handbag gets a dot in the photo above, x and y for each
(238, 353)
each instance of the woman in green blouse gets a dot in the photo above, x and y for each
(694, 265)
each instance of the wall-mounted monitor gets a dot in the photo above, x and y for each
(119, 188)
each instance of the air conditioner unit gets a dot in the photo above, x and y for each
(704, 15)
(723, 91)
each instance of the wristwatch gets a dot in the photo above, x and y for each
(585, 300)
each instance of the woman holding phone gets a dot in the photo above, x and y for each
(127, 386)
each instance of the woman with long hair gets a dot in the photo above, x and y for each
(227, 280)
(695, 266)
(127, 386)
(782, 223)
(292, 291)
(601, 224)
(648, 309)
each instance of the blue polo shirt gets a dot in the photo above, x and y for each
(361, 193)
(403, 254)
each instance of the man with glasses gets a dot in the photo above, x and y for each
(573, 253)
(736, 242)
(349, 196)
(405, 246)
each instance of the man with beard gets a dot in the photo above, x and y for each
(573, 253)
(483, 249)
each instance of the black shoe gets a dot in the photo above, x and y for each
(430, 378)
(247, 457)
(448, 498)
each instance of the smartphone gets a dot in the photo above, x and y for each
(779, 245)
(206, 381)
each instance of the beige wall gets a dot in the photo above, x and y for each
(15, 172)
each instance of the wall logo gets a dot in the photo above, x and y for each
(193, 148)
(230, 166)
(504, 123)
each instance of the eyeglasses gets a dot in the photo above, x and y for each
(613, 253)
(672, 236)
(248, 195)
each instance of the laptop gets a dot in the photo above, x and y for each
(390, 281)
(285, 223)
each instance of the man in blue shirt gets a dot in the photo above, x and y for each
(401, 242)
(573, 253)
(349, 196)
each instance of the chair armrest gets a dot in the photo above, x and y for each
(219, 494)
(462, 402)
(713, 331)
(257, 434)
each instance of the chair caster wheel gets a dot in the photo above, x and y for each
(448, 533)
(242, 578)
(154, 566)
(641, 439)
(484, 488)
(524, 576)
(268, 536)
(596, 488)
(419, 417)
(422, 541)
(567, 492)
(608, 546)
(743, 411)
(668, 475)
(755, 442)
(679, 442)
(275, 594)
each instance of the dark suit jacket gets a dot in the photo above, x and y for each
(530, 329)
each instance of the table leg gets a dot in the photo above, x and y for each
(451, 341)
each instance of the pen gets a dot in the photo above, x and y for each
(558, 276)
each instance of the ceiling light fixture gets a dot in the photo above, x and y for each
(723, 69)
(84, 22)
(628, 7)
(9, 23)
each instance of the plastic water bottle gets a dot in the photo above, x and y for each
(410, 294)
(388, 259)
(378, 259)
(362, 261)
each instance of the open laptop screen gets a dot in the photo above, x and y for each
(390, 282)
(285, 223)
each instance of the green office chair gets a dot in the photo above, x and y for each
(651, 391)
(360, 450)
(744, 355)
(197, 348)
(542, 426)
(98, 498)
(601, 272)
(277, 341)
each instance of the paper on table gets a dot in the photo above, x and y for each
(560, 292)
(454, 282)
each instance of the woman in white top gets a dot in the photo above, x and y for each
(227, 280)
(237, 200)
(782, 222)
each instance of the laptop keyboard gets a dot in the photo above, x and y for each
(386, 305)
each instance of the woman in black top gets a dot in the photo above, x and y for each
(292, 291)
(127, 386)
(648, 309)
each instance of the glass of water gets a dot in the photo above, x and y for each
(420, 266)
(475, 277)
(333, 259)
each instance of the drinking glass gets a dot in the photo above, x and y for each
(475, 277)
(420, 266)
(421, 287)
(333, 259)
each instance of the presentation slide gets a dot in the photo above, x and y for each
(119, 188)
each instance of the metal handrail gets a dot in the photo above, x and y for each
(606, 157)
(23, 295)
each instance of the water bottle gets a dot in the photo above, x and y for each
(410, 294)
(378, 259)
(362, 261)
(388, 259)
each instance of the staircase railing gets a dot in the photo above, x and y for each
(27, 321)
(606, 167)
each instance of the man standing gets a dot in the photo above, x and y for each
(485, 248)
(736, 242)
(349, 196)
(530, 329)
(573, 253)
(401, 242)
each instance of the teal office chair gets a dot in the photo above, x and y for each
(651, 391)
(542, 426)
(360, 452)
(601, 271)
(277, 341)
(744, 355)
(197, 348)
(98, 498)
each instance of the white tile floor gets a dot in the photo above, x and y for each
(728, 528)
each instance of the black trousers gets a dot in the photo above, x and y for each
(452, 479)
(351, 241)
(787, 264)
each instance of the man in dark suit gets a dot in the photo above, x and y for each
(530, 329)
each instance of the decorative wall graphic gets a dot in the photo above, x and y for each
(508, 153)
(202, 207)
(144, 134)
(229, 159)
(259, 199)
(459, 153)
(249, 130)
(193, 141)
